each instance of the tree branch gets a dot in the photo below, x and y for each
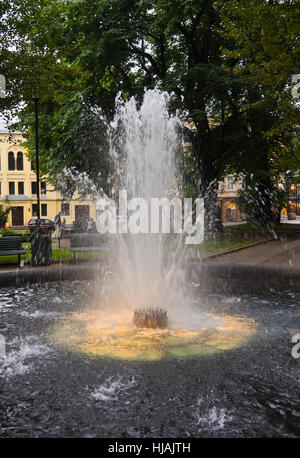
(148, 56)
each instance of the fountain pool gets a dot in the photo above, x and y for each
(51, 387)
(76, 366)
(106, 334)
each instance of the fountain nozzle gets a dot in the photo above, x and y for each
(151, 317)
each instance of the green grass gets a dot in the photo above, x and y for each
(247, 228)
(10, 260)
(65, 254)
(225, 242)
(217, 246)
(58, 254)
(240, 228)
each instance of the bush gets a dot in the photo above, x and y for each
(7, 230)
(261, 206)
(4, 215)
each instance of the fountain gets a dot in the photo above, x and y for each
(147, 276)
(149, 348)
(146, 311)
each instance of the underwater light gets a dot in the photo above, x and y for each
(113, 335)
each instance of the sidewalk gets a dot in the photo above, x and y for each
(284, 220)
(284, 252)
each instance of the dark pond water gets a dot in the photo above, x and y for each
(50, 391)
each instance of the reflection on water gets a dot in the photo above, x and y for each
(51, 390)
(114, 336)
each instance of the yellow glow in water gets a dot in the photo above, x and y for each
(98, 334)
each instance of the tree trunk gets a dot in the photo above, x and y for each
(212, 217)
(208, 179)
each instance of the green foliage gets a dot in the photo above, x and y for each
(262, 43)
(261, 206)
(83, 53)
(7, 230)
(227, 64)
(4, 212)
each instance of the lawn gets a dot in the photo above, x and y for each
(233, 237)
(58, 254)
(210, 247)
(236, 236)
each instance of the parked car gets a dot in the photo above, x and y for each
(32, 222)
(43, 222)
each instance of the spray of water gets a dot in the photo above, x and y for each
(148, 264)
(130, 320)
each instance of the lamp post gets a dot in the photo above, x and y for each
(36, 101)
(41, 245)
(287, 195)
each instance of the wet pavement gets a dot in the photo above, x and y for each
(284, 252)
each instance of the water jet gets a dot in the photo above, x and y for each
(151, 317)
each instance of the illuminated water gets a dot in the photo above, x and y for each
(114, 336)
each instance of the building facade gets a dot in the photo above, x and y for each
(293, 191)
(18, 188)
(227, 193)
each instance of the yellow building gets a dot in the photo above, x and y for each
(18, 187)
(227, 194)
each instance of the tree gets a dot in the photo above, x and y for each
(253, 199)
(266, 52)
(104, 48)
(87, 51)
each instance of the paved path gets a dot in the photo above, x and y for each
(284, 252)
(63, 243)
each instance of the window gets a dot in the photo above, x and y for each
(32, 165)
(44, 209)
(43, 187)
(21, 188)
(292, 190)
(11, 161)
(20, 164)
(230, 183)
(65, 209)
(11, 186)
(33, 187)
(221, 186)
(34, 210)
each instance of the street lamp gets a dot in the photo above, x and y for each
(41, 246)
(35, 98)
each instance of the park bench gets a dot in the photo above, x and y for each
(11, 246)
(82, 243)
(23, 237)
